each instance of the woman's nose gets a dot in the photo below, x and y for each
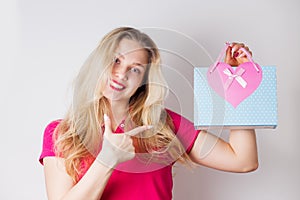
(121, 72)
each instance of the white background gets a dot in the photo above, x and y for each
(44, 43)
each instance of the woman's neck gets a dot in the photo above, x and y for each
(119, 111)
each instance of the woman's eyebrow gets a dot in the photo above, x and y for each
(136, 63)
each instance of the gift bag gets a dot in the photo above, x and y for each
(235, 97)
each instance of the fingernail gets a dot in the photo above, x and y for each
(236, 54)
(105, 117)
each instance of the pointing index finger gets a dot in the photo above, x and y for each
(137, 130)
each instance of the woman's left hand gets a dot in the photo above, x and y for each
(234, 54)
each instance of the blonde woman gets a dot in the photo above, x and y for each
(117, 141)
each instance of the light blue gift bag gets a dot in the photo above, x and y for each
(259, 110)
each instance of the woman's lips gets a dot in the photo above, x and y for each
(116, 85)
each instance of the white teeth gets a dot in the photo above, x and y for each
(116, 85)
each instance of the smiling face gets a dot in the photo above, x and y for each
(128, 70)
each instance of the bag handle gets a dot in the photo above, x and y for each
(227, 44)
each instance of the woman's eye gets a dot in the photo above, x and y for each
(135, 70)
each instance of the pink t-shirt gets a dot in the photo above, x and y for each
(135, 179)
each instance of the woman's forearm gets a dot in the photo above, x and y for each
(60, 185)
(92, 183)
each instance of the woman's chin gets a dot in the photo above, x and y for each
(115, 97)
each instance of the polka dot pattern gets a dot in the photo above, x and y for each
(259, 110)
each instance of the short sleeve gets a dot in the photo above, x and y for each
(48, 143)
(184, 130)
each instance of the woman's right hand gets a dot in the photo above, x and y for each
(117, 148)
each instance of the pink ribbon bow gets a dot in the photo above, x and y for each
(236, 76)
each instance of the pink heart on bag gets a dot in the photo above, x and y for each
(235, 85)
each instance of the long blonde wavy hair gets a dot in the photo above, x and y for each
(78, 137)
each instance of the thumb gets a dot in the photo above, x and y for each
(107, 124)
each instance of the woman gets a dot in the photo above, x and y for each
(118, 141)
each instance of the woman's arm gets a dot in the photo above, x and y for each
(237, 155)
(60, 185)
(240, 153)
(116, 148)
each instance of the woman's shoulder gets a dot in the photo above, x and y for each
(172, 113)
(50, 127)
(184, 130)
(48, 143)
(175, 116)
